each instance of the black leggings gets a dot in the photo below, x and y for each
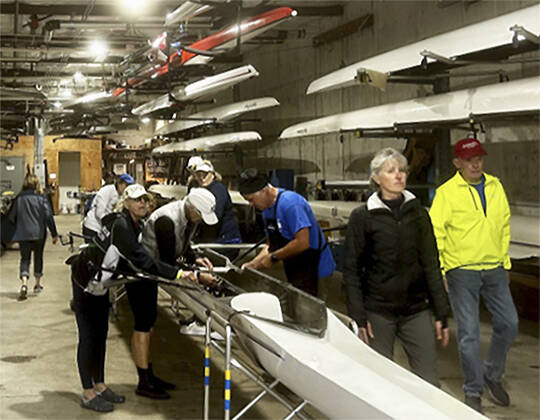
(92, 315)
(142, 295)
(26, 248)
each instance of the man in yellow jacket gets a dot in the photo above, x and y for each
(471, 221)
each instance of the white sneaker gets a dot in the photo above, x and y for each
(198, 329)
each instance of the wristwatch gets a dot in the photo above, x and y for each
(273, 258)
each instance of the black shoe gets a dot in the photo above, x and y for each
(111, 396)
(496, 392)
(160, 383)
(23, 292)
(98, 403)
(474, 402)
(151, 391)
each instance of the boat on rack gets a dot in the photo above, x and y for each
(488, 41)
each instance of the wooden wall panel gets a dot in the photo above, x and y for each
(90, 158)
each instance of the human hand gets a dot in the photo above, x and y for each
(266, 261)
(207, 279)
(190, 275)
(248, 265)
(443, 333)
(55, 240)
(204, 262)
(366, 333)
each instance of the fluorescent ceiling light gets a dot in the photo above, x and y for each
(134, 7)
(94, 96)
(78, 77)
(98, 49)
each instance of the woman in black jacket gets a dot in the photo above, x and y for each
(32, 215)
(116, 247)
(392, 272)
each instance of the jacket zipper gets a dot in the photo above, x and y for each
(472, 196)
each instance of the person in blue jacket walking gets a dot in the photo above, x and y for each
(32, 215)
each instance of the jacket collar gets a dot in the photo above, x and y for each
(459, 180)
(27, 191)
(375, 202)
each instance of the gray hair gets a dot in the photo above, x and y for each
(378, 161)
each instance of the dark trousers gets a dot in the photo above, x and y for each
(92, 315)
(166, 239)
(417, 337)
(26, 248)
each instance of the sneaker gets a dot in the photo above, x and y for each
(38, 288)
(198, 329)
(474, 402)
(111, 396)
(193, 329)
(23, 292)
(98, 403)
(151, 391)
(496, 392)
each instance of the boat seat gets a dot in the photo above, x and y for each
(264, 305)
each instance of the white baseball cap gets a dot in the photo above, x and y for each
(194, 161)
(135, 191)
(204, 201)
(205, 166)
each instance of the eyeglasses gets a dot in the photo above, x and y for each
(141, 198)
(249, 173)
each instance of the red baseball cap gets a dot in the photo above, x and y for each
(468, 148)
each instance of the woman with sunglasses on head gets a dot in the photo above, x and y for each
(117, 249)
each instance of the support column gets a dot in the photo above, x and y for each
(39, 138)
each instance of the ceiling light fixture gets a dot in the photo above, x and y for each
(78, 77)
(98, 49)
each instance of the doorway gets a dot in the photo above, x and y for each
(69, 181)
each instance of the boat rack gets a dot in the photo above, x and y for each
(225, 348)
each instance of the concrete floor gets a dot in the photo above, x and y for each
(38, 373)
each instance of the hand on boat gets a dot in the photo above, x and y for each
(204, 262)
(247, 265)
(266, 261)
(207, 279)
(366, 333)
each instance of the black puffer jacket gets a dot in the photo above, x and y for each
(391, 262)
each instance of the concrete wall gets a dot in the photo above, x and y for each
(286, 72)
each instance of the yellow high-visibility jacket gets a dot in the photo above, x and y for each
(466, 237)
